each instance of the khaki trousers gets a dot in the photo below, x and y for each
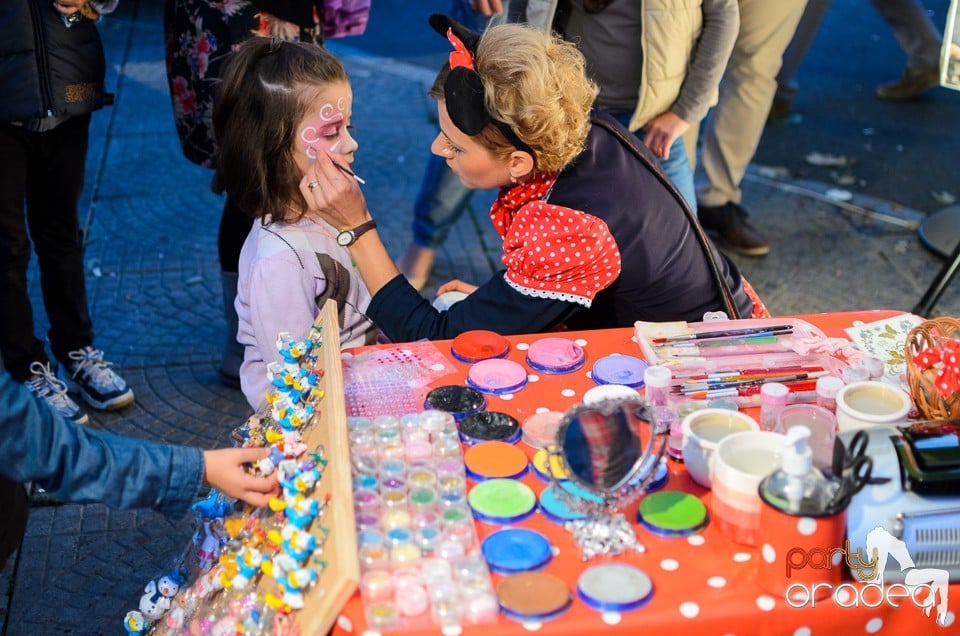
(732, 130)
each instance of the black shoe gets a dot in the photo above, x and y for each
(729, 222)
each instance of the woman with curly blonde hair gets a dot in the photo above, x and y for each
(594, 234)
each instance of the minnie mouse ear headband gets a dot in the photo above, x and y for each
(463, 89)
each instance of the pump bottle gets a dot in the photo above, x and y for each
(797, 488)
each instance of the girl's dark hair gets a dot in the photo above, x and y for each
(266, 89)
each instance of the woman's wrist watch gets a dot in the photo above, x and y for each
(347, 238)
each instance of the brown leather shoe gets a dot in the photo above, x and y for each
(910, 85)
(729, 222)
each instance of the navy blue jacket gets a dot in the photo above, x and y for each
(665, 273)
(46, 68)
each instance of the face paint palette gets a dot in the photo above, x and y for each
(533, 597)
(516, 550)
(459, 401)
(671, 513)
(540, 429)
(502, 501)
(545, 464)
(555, 356)
(614, 587)
(555, 508)
(497, 377)
(619, 369)
(495, 460)
(489, 426)
(474, 346)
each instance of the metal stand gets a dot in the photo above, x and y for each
(940, 233)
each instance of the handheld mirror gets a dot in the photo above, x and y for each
(612, 449)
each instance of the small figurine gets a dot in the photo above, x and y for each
(248, 564)
(183, 609)
(302, 510)
(134, 623)
(291, 578)
(159, 595)
(214, 535)
(298, 543)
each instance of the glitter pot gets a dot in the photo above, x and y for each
(459, 401)
(556, 467)
(619, 369)
(672, 513)
(412, 600)
(533, 596)
(495, 460)
(474, 346)
(555, 356)
(555, 508)
(540, 429)
(614, 587)
(516, 550)
(489, 426)
(376, 586)
(497, 377)
(502, 501)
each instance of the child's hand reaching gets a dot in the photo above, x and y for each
(224, 470)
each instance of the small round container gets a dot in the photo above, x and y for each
(451, 498)
(497, 377)
(540, 429)
(414, 449)
(394, 498)
(459, 401)
(366, 500)
(427, 538)
(502, 501)
(556, 508)
(489, 426)
(411, 599)
(422, 498)
(870, 404)
(386, 422)
(455, 515)
(421, 478)
(603, 392)
(399, 536)
(392, 468)
(619, 369)
(451, 483)
(424, 518)
(546, 464)
(368, 521)
(369, 537)
(494, 460)
(614, 587)
(364, 482)
(474, 346)
(533, 597)
(374, 557)
(382, 614)
(376, 586)
(395, 518)
(447, 448)
(516, 550)
(671, 513)
(404, 554)
(555, 356)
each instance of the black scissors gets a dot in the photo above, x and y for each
(852, 468)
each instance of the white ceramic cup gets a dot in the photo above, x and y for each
(740, 463)
(871, 403)
(702, 431)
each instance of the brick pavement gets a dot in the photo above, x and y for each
(154, 292)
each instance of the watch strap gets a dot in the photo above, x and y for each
(358, 231)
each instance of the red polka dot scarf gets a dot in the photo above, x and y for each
(551, 251)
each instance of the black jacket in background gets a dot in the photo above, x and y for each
(46, 68)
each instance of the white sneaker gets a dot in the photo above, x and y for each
(87, 373)
(45, 385)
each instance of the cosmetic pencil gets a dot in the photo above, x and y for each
(703, 335)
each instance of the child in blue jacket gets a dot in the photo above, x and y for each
(79, 464)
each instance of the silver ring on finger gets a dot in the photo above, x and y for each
(313, 184)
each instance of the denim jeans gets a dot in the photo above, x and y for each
(677, 167)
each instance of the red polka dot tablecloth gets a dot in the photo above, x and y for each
(703, 583)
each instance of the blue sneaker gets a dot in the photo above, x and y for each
(46, 386)
(87, 373)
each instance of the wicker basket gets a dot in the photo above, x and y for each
(931, 333)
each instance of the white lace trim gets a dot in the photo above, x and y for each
(553, 295)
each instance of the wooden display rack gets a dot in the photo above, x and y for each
(328, 429)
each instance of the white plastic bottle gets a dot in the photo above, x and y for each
(797, 488)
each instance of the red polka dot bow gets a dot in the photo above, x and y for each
(948, 358)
